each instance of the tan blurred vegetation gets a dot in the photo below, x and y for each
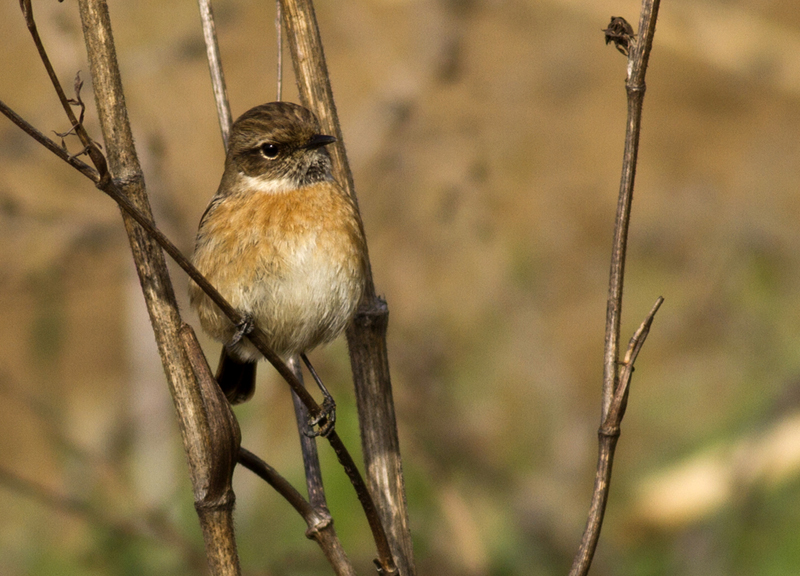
(486, 139)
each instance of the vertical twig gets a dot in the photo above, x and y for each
(366, 337)
(638, 57)
(215, 67)
(313, 471)
(615, 391)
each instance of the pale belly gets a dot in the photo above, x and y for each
(299, 278)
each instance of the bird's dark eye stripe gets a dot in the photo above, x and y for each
(270, 150)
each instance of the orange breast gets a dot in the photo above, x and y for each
(293, 261)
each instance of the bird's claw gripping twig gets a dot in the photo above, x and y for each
(243, 328)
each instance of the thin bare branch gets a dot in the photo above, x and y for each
(608, 435)
(308, 445)
(615, 390)
(90, 147)
(215, 68)
(29, 129)
(638, 58)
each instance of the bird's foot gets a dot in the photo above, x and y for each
(326, 420)
(243, 328)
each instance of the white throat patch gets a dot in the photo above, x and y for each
(268, 186)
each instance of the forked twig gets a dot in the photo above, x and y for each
(90, 147)
(616, 376)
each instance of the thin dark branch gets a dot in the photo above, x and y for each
(608, 435)
(278, 482)
(215, 68)
(308, 446)
(615, 386)
(638, 58)
(29, 129)
(90, 147)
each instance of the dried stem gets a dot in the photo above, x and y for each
(638, 57)
(215, 509)
(308, 444)
(608, 435)
(615, 388)
(366, 336)
(215, 68)
(325, 535)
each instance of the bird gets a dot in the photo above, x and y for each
(281, 241)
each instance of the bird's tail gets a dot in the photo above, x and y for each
(236, 378)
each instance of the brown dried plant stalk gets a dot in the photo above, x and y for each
(616, 374)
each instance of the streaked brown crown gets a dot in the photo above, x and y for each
(278, 140)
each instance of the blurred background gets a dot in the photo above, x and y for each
(486, 140)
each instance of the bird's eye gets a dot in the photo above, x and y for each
(270, 150)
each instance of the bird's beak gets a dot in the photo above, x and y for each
(319, 140)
